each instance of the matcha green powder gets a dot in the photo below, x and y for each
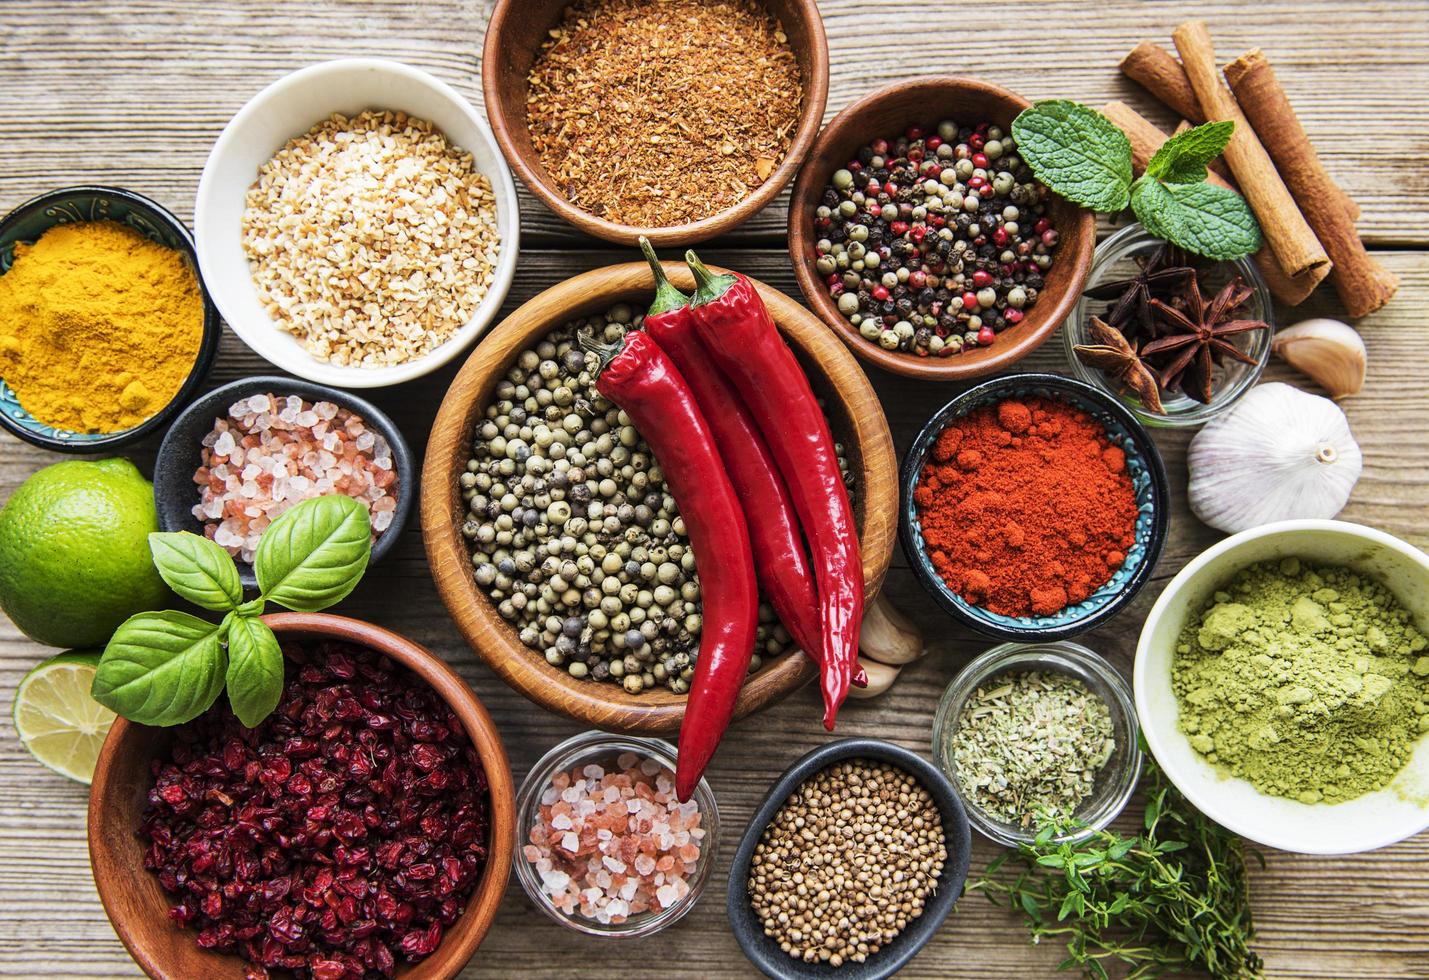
(1308, 681)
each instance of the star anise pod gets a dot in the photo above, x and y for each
(1113, 355)
(1165, 268)
(1197, 336)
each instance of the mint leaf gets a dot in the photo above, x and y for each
(255, 669)
(1155, 208)
(314, 555)
(1182, 159)
(161, 668)
(1077, 152)
(1215, 221)
(196, 569)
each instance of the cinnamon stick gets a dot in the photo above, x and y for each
(1362, 283)
(1294, 244)
(1158, 71)
(1146, 138)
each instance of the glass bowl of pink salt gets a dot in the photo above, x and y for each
(603, 844)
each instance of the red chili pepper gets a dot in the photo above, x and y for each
(639, 377)
(742, 337)
(780, 564)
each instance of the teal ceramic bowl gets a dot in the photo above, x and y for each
(36, 216)
(1148, 477)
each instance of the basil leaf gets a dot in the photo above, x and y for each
(1182, 159)
(196, 569)
(1213, 221)
(1077, 152)
(255, 669)
(314, 555)
(1155, 208)
(161, 668)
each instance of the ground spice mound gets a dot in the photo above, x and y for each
(341, 835)
(657, 114)
(1026, 506)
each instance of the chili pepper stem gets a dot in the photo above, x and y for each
(667, 297)
(606, 352)
(708, 286)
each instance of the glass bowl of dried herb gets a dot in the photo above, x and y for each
(1176, 338)
(1031, 734)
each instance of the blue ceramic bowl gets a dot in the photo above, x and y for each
(181, 453)
(36, 216)
(765, 953)
(1148, 477)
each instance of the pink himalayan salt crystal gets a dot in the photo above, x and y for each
(607, 845)
(271, 453)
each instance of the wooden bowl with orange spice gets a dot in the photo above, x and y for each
(1042, 517)
(886, 115)
(676, 120)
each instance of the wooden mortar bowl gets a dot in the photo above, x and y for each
(138, 907)
(858, 423)
(886, 113)
(513, 38)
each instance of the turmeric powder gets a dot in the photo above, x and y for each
(99, 326)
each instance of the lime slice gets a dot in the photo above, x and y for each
(61, 725)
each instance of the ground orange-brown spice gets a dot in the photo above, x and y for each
(657, 114)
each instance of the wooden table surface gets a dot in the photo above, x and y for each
(133, 93)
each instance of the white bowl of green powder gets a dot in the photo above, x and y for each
(1282, 682)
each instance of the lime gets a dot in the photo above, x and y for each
(61, 725)
(74, 552)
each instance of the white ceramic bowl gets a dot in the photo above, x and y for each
(1374, 820)
(290, 107)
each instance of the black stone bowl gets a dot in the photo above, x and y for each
(765, 953)
(1148, 479)
(94, 203)
(181, 454)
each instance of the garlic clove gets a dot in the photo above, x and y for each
(1330, 352)
(1278, 454)
(880, 678)
(887, 635)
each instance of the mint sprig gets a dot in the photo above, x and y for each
(166, 668)
(1083, 156)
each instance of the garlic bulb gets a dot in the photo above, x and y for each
(1330, 352)
(887, 635)
(880, 678)
(1280, 453)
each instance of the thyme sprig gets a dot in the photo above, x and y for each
(1175, 896)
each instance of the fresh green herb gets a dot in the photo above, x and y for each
(1171, 898)
(161, 668)
(166, 668)
(1082, 155)
(1077, 152)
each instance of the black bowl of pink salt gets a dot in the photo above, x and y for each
(361, 830)
(1033, 507)
(244, 453)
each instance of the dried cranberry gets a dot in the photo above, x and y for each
(343, 833)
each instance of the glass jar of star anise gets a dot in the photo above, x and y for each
(1175, 336)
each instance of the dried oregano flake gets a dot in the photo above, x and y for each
(1028, 746)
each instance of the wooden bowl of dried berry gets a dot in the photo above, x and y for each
(925, 242)
(677, 120)
(578, 589)
(364, 828)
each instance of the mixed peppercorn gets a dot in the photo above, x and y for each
(935, 241)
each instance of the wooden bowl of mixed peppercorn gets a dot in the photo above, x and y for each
(463, 451)
(676, 120)
(921, 238)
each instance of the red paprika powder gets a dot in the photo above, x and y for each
(1026, 506)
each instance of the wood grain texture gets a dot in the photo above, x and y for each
(857, 421)
(133, 93)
